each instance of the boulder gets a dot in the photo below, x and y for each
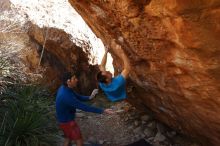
(174, 49)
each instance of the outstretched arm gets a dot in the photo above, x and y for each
(104, 60)
(86, 98)
(76, 103)
(81, 97)
(127, 67)
(126, 62)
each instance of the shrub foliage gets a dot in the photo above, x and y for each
(27, 117)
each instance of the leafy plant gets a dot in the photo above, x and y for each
(27, 117)
(26, 111)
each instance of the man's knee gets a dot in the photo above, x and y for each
(79, 142)
(66, 142)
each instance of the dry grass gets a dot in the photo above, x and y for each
(12, 41)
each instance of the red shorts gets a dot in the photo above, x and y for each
(71, 130)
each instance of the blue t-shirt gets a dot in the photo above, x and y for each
(116, 90)
(67, 101)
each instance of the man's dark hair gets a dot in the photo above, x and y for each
(66, 76)
(101, 78)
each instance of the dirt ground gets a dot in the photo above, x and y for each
(126, 126)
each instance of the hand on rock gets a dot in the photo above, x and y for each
(106, 49)
(117, 48)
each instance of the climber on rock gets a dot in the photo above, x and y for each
(114, 87)
(67, 101)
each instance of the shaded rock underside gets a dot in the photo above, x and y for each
(60, 55)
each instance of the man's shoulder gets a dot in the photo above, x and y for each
(119, 77)
(118, 80)
(64, 91)
(61, 89)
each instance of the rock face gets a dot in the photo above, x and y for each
(4, 5)
(174, 48)
(60, 55)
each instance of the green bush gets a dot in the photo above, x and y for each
(27, 117)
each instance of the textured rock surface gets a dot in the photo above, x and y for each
(4, 5)
(126, 127)
(60, 55)
(174, 47)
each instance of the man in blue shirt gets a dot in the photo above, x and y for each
(114, 88)
(67, 101)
